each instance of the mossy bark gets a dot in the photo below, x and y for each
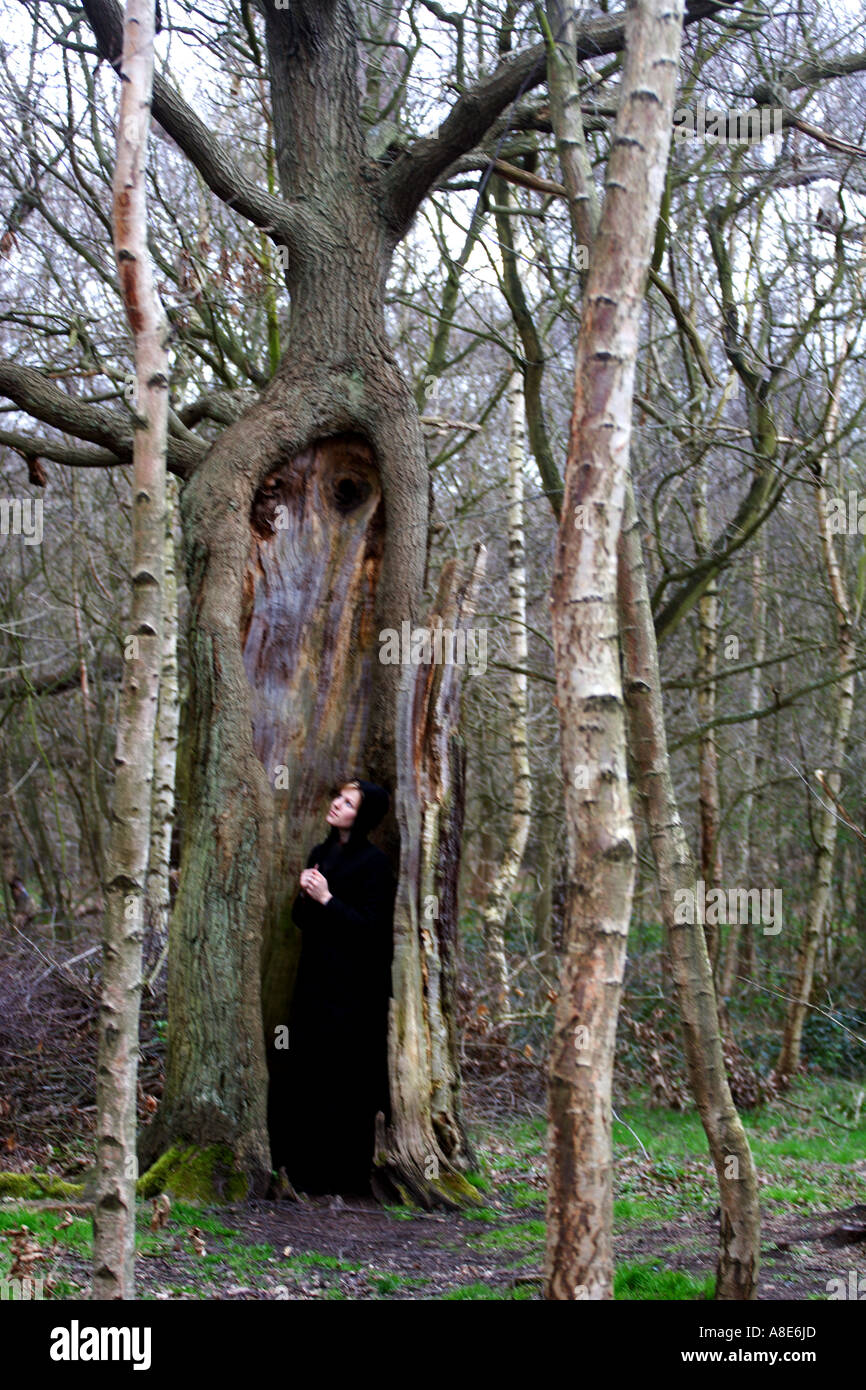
(38, 1185)
(196, 1174)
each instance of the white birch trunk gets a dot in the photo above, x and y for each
(117, 1068)
(499, 897)
(601, 846)
(165, 750)
(748, 760)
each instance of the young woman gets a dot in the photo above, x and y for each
(338, 1030)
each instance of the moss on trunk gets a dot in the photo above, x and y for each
(196, 1174)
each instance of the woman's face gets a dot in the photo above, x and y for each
(344, 808)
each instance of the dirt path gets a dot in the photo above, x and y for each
(325, 1248)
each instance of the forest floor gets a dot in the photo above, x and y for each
(810, 1149)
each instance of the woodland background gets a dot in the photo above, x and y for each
(749, 418)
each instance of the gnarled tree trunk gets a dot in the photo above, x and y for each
(423, 1152)
(305, 530)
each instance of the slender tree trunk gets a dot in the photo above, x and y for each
(601, 848)
(564, 88)
(495, 912)
(708, 757)
(8, 851)
(165, 752)
(93, 821)
(826, 818)
(27, 836)
(739, 1232)
(117, 1067)
(546, 828)
(748, 760)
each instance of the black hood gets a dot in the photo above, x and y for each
(372, 810)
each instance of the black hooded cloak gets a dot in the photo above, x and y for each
(334, 1076)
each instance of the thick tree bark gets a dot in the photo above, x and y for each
(423, 1153)
(305, 534)
(117, 1066)
(739, 1231)
(579, 1261)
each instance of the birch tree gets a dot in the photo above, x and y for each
(749, 762)
(125, 887)
(499, 897)
(158, 899)
(601, 846)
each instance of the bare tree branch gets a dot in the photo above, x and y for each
(108, 667)
(413, 174)
(284, 223)
(45, 401)
(30, 448)
(224, 407)
(823, 70)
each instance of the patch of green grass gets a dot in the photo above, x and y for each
(398, 1213)
(529, 1133)
(665, 1133)
(520, 1195)
(188, 1215)
(512, 1237)
(636, 1210)
(44, 1226)
(646, 1280)
(479, 1181)
(486, 1292)
(389, 1283)
(488, 1214)
(507, 1162)
(247, 1261)
(311, 1259)
(806, 1195)
(64, 1289)
(820, 1146)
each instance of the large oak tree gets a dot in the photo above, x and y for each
(305, 528)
